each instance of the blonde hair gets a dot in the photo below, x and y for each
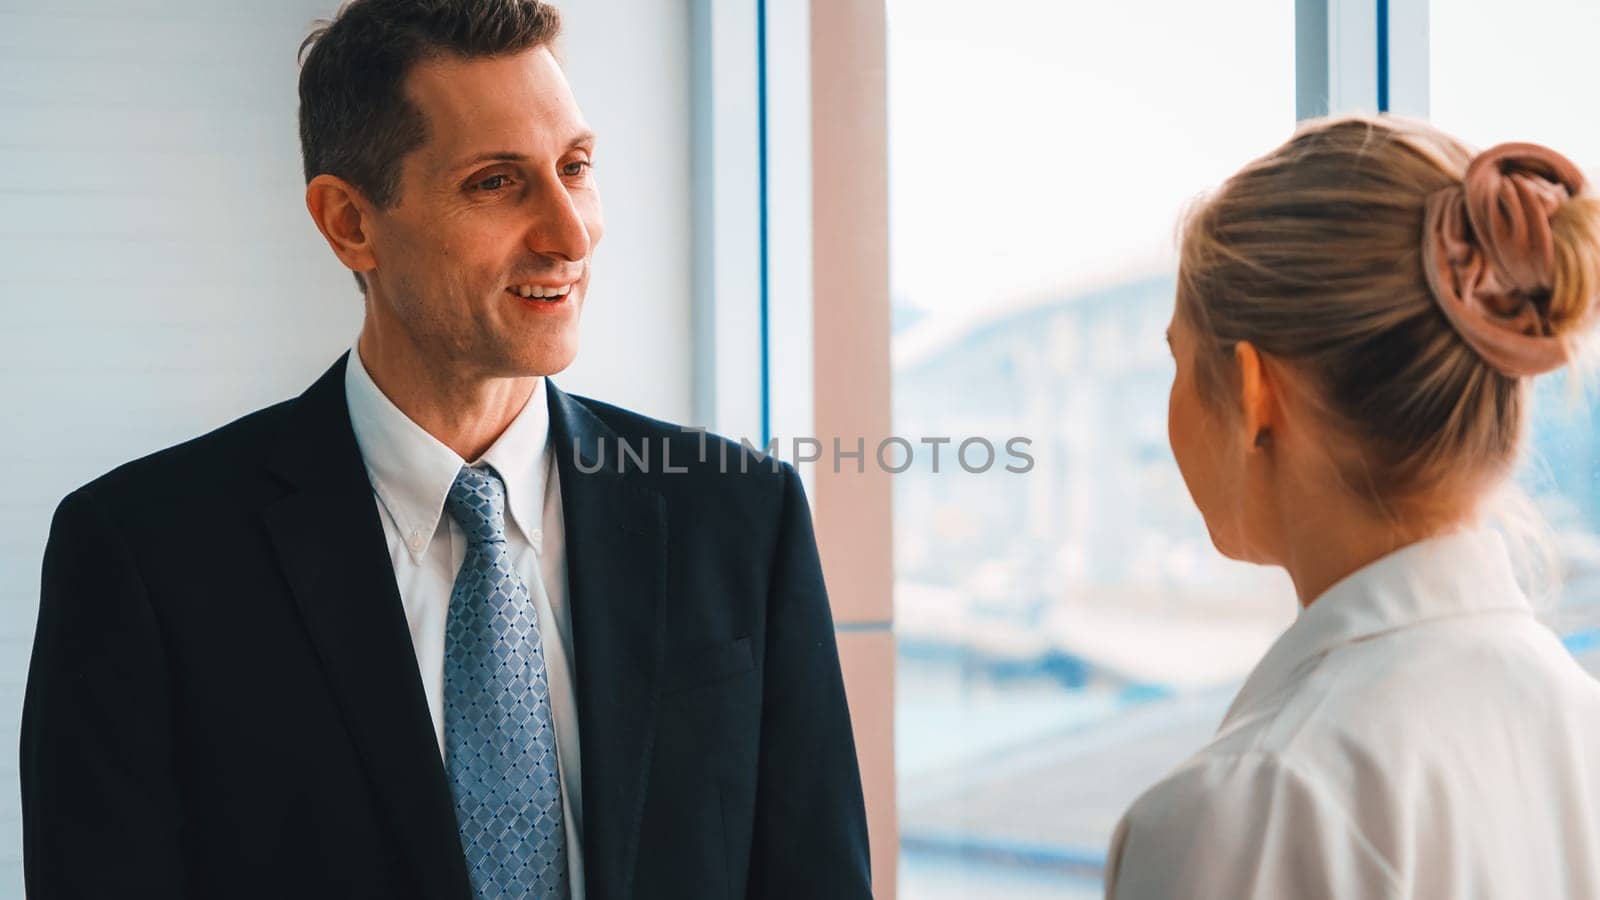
(1314, 254)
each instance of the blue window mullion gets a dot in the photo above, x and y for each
(1383, 56)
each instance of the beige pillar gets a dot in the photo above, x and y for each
(850, 260)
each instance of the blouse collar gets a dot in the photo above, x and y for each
(1460, 573)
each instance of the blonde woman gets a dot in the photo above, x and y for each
(1359, 316)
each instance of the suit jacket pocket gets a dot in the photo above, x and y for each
(698, 668)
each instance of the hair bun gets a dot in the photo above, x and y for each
(1490, 254)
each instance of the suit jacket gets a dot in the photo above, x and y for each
(223, 699)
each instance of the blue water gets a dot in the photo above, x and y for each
(945, 715)
(939, 877)
(1582, 641)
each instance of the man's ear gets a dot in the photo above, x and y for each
(342, 215)
(1258, 395)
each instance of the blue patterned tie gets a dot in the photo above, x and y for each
(500, 741)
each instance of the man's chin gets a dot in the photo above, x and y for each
(550, 358)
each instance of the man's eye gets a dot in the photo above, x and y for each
(574, 169)
(492, 183)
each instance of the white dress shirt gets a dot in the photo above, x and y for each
(411, 474)
(1416, 733)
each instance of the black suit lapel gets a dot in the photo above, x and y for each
(331, 547)
(617, 580)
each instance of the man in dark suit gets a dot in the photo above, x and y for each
(434, 628)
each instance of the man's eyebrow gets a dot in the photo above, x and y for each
(491, 156)
(583, 139)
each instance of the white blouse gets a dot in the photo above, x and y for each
(1415, 734)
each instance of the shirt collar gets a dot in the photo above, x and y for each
(1460, 573)
(521, 456)
(412, 471)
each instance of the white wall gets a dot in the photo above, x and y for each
(628, 61)
(159, 276)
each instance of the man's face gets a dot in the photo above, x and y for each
(498, 199)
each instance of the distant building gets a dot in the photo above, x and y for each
(1100, 538)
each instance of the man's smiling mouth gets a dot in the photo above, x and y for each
(541, 292)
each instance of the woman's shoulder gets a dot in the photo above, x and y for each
(1244, 823)
(1427, 689)
(1217, 782)
(1402, 693)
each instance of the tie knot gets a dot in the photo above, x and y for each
(477, 501)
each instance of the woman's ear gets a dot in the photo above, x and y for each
(341, 215)
(1258, 400)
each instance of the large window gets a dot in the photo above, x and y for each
(1497, 75)
(1517, 73)
(1066, 634)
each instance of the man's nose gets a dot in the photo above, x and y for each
(558, 228)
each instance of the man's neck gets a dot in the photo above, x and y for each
(463, 411)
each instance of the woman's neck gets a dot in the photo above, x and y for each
(1347, 535)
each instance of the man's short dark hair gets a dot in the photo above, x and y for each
(355, 120)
